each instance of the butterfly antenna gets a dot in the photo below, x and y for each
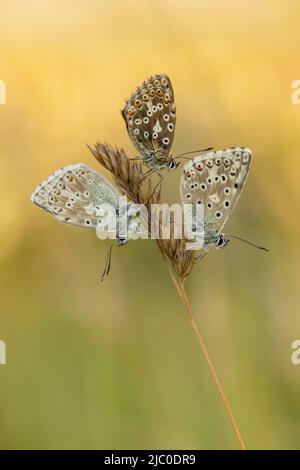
(181, 155)
(248, 243)
(107, 262)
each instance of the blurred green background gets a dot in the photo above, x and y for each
(116, 365)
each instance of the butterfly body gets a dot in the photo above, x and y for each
(150, 116)
(215, 180)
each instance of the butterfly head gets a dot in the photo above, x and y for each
(172, 165)
(121, 240)
(221, 241)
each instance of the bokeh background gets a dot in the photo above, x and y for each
(116, 365)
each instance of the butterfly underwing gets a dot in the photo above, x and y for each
(215, 180)
(150, 116)
(79, 196)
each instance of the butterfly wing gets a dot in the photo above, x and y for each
(74, 194)
(216, 180)
(150, 116)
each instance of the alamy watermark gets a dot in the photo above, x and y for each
(2, 92)
(295, 97)
(295, 356)
(132, 221)
(2, 352)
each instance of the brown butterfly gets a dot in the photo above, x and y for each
(150, 116)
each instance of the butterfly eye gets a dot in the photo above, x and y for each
(218, 214)
(159, 92)
(170, 127)
(226, 203)
(152, 93)
(154, 109)
(226, 190)
(160, 107)
(165, 140)
(221, 241)
(154, 135)
(145, 97)
(156, 82)
(173, 164)
(149, 113)
(136, 131)
(145, 120)
(166, 117)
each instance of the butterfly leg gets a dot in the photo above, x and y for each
(200, 257)
(148, 173)
(136, 158)
(107, 263)
(159, 184)
(156, 186)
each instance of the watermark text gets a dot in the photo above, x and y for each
(2, 352)
(295, 356)
(295, 97)
(2, 92)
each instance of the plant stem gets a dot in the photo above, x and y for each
(184, 299)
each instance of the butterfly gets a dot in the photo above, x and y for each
(77, 195)
(215, 180)
(150, 116)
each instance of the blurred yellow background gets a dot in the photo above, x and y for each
(116, 365)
